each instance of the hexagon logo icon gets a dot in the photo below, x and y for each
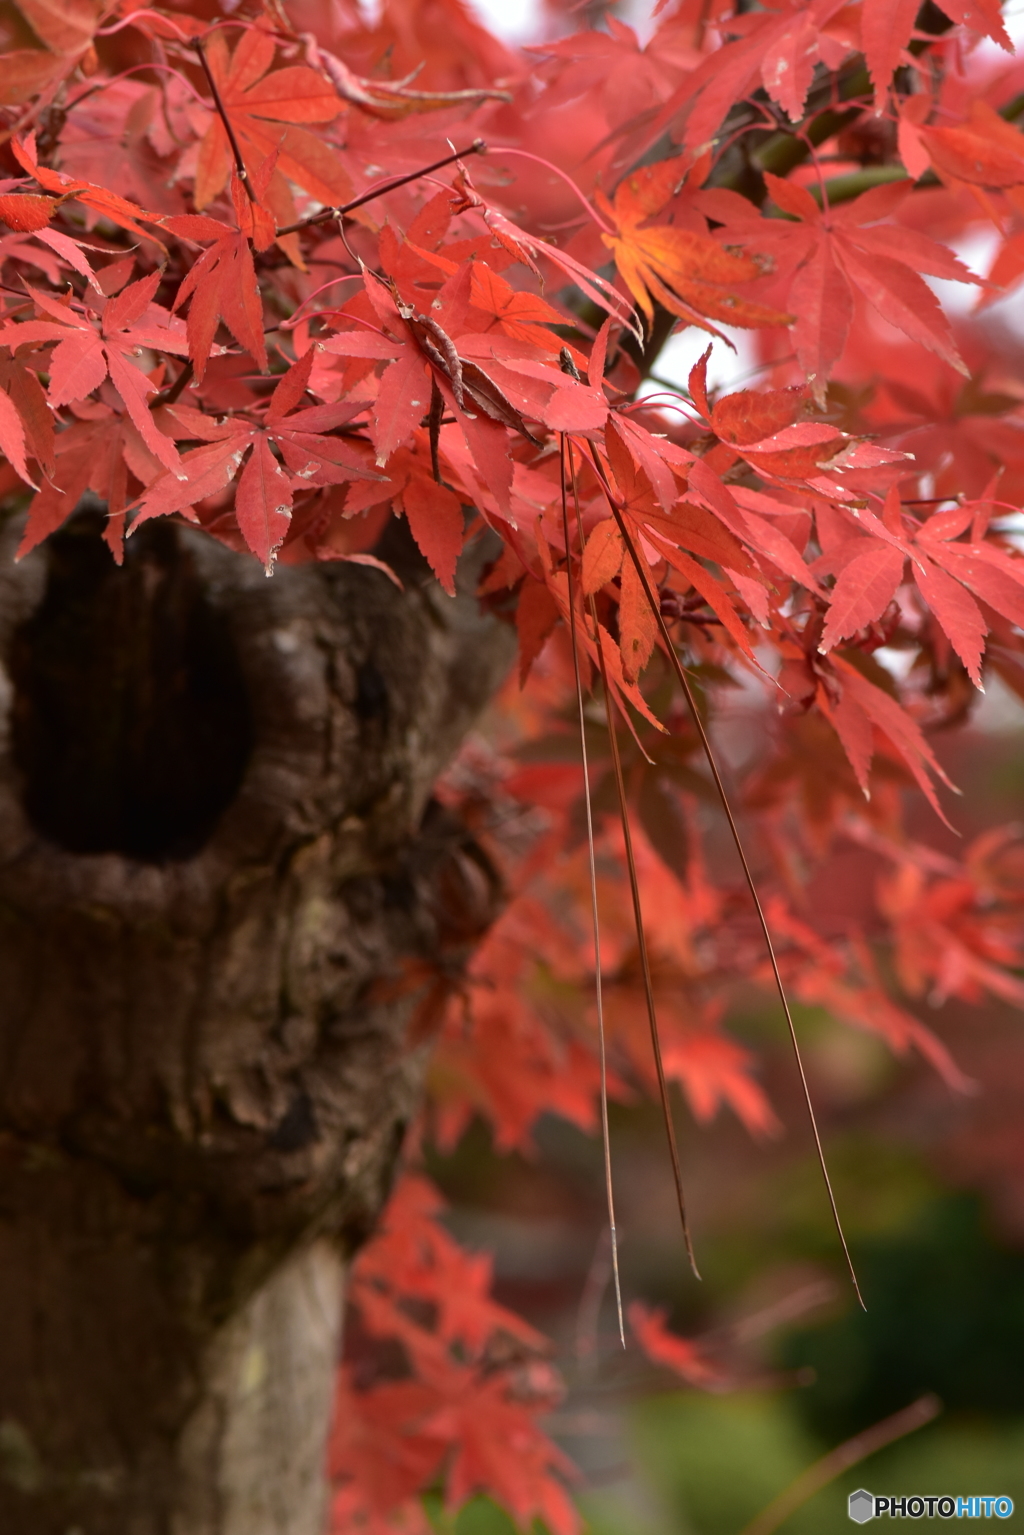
(861, 1506)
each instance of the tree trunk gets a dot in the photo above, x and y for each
(216, 841)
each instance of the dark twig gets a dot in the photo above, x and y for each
(174, 391)
(325, 216)
(243, 174)
(434, 420)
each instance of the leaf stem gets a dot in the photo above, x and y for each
(595, 920)
(645, 964)
(478, 147)
(684, 682)
(243, 174)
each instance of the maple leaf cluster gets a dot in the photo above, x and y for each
(472, 1380)
(249, 284)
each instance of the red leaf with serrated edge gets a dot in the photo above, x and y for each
(985, 150)
(488, 443)
(698, 384)
(100, 199)
(72, 252)
(792, 198)
(60, 495)
(435, 518)
(12, 438)
(713, 593)
(135, 390)
(638, 627)
(750, 416)
(27, 210)
(77, 367)
(957, 612)
(767, 539)
(125, 308)
(403, 399)
(994, 582)
(265, 110)
(208, 471)
(263, 502)
(602, 557)
(576, 410)
(983, 16)
(823, 304)
(599, 355)
(222, 286)
(523, 316)
(481, 1424)
(29, 400)
(196, 227)
(660, 460)
(702, 534)
(912, 248)
(862, 593)
(788, 68)
(902, 298)
(291, 389)
(903, 732)
(689, 274)
(855, 733)
(527, 247)
(885, 30)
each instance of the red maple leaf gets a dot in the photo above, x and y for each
(86, 354)
(266, 108)
(266, 486)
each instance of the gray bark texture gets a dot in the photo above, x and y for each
(217, 848)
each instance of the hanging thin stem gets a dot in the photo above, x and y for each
(595, 921)
(638, 916)
(677, 666)
(645, 965)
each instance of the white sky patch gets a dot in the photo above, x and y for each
(514, 21)
(726, 369)
(524, 21)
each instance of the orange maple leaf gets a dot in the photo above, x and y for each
(688, 273)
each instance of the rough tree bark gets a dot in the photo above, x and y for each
(216, 836)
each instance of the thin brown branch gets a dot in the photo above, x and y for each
(176, 390)
(841, 1459)
(645, 964)
(243, 174)
(478, 147)
(595, 920)
(684, 682)
(638, 916)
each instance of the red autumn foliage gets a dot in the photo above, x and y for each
(256, 314)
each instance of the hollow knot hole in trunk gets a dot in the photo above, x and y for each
(131, 724)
